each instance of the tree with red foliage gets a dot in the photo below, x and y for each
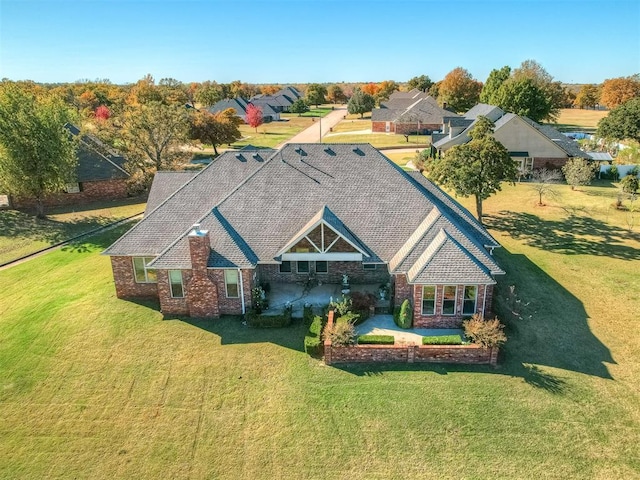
(254, 116)
(102, 113)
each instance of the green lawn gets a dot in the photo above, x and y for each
(318, 112)
(379, 140)
(22, 233)
(273, 133)
(96, 387)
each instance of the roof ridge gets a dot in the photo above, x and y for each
(426, 256)
(417, 235)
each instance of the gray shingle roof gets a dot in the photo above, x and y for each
(411, 110)
(164, 184)
(567, 144)
(252, 213)
(238, 104)
(96, 161)
(492, 112)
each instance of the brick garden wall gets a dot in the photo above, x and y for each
(91, 192)
(459, 354)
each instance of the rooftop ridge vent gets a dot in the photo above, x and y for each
(329, 151)
(358, 151)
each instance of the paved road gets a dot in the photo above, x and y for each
(312, 133)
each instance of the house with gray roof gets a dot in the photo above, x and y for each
(100, 174)
(307, 211)
(240, 105)
(404, 113)
(530, 144)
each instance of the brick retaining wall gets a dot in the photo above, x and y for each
(91, 192)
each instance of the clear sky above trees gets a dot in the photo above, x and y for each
(62, 41)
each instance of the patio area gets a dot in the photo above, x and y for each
(318, 296)
(384, 325)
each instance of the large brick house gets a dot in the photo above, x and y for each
(409, 112)
(530, 144)
(267, 216)
(100, 175)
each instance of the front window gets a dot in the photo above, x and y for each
(285, 267)
(231, 283)
(369, 266)
(322, 267)
(469, 301)
(303, 267)
(175, 282)
(449, 300)
(428, 300)
(143, 273)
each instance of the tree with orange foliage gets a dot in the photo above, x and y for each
(616, 91)
(459, 90)
(269, 89)
(254, 116)
(371, 88)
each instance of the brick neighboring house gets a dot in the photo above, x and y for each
(530, 144)
(312, 209)
(409, 112)
(100, 175)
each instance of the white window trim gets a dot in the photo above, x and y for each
(455, 301)
(308, 267)
(475, 300)
(146, 270)
(435, 297)
(226, 284)
(171, 284)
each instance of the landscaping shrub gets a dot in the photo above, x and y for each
(312, 343)
(442, 340)
(404, 319)
(349, 317)
(361, 303)
(341, 333)
(307, 314)
(487, 333)
(376, 340)
(341, 307)
(259, 299)
(254, 319)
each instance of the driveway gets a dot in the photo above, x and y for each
(312, 133)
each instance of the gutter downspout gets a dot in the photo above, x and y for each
(484, 300)
(242, 290)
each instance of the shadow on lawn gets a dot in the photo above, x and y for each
(553, 332)
(574, 235)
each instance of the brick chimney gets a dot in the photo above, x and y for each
(199, 247)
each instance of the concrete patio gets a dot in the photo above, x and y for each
(318, 296)
(384, 325)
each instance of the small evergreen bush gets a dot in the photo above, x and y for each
(312, 344)
(405, 315)
(376, 340)
(442, 340)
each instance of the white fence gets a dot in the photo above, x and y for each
(623, 170)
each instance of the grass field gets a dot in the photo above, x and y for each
(274, 133)
(22, 233)
(101, 388)
(378, 140)
(572, 119)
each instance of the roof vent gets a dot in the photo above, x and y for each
(240, 157)
(329, 151)
(358, 151)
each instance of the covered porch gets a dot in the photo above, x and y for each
(318, 296)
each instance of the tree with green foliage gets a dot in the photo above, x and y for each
(476, 168)
(405, 316)
(587, 96)
(523, 97)
(622, 123)
(459, 90)
(553, 91)
(37, 152)
(422, 83)
(360, 102)
(491, 87)
(299, 107)
(335, 94)
(153, 137)
(215, 128)
(630, 184)
(208, 93)
(316, 94)
(578, 172)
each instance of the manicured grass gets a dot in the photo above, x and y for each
(96, 387)
(400, 158)
(22, 233)
(318, 112)
(352, 126)
(571, 119)
(378, 140)
(274, 133)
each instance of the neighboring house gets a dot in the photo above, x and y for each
(100, 175)
(266, 216)
(530, 144)
(291, 92)
(240, 105)
(279, 103)
(409, 112)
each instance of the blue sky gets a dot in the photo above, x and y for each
(314, 41)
